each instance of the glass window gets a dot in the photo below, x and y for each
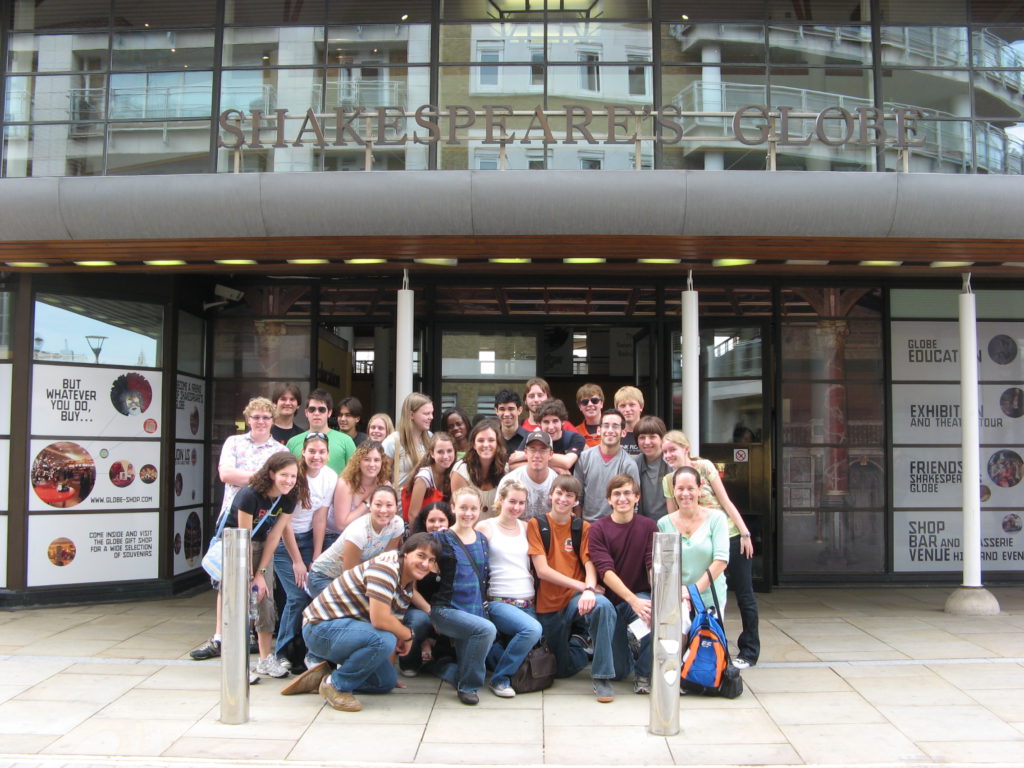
(159, 13)
(819, 45)
(161, 95)
(57, 53)
(86, 330)
(370, 11)
(55, 97)
(924, 46)
(713, 43)
(998, 47)
(273, 46)
(31, 14)
(820, 10)
(589, 71)
(280, 12)
(272, 347)
(461, 43)
(534, 10)
(191, 344)
(293, 89)
(812, 90)
(182, 49)
(53, 150)
(6, 332)
(471, 86)
(987, 11)
(470, 375)
(609, 42)
(731, 380)
(391, 44)
(997, 150)
(946, 93)
(923, 11)
(999, 94)
(140, 148)
(711, 10)
(946, 149)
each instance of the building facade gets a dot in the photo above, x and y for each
(176, 238)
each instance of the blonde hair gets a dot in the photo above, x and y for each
(466, 490)
(389, 425)
(259, 404)
(678, 437)
(629, 393)
(508, 487)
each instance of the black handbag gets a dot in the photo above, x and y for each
(537, 671)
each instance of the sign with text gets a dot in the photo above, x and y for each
(189, 408)
(930, 351)
(931, 541)
(187, 542)
(93, 474)
(86, 401)
(929, 477)
(79, 549)
(188, 474)
(930, 414)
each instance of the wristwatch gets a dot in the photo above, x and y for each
(262, 571)
(588, 588)
(744, 535)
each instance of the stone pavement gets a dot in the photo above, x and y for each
(872, 676)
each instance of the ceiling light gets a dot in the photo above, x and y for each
(164, 263)
(95, 263)
(732, 262)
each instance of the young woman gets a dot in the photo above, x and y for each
(411, 440)
(458, 608)
(436, 516)
(675, 448)
(379, 530)
(369, 468)
(512, 607)
(432, 477)
(483, 467)
(703, 535)
(302, 541)
(262, 507)
(455, 422)
(379, 426)
(241, 456)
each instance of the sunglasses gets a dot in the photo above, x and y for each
(591, 401)
(314, 436)
(317, 408)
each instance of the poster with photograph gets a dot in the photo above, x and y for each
(79, 549)
(188, 474)
(931, 541)
(189, 408)
(5, 461)
(930, 351)
(930, 414)
(929, 477)
(187, 542)
(93, 474)
(86, 401)
(5, 401)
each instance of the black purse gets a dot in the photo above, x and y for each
(537, 671)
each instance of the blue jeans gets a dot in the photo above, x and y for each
(624, 662)
(524, 631)
(361, 651)
(296, 598)
(316, 583)
(740, 577)
(419, 623)
(472, 637)
(572, 658)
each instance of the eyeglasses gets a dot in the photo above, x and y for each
(317, 408)
(591, 401)
(260, 417)
(314, 436)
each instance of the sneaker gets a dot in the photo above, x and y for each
(741, 663)
(340, 700)
(642, 684)
(469, 697)
(584, 642)
(254, 679)
(309, 681)
(604, 691)
(208, 650)
(271, 667)
(408, 672)
(502, 690)
(284, 663)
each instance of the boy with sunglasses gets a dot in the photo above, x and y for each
(339, 445)
(590, 399)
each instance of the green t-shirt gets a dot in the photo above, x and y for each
(340, 448)
(708, 543)
(708, 471)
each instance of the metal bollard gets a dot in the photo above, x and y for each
(234, 649)
(666, 624)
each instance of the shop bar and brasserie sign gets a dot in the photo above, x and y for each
(752, 125)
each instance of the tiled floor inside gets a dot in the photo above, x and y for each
(847, 676)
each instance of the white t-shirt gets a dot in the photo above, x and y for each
(360, 532)
(406, 462)
(321, 494)
(509, 561)
(538, 495)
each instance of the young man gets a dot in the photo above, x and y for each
(350, 411)
(568, 590)
(621, 546)
(597, 465)
(356, 623)
(339, 445)
(566, 446)
(590, 399)
(630, 401)
(286, 399)
(538, 391)
(651, 466)
(508, 406)
(535, 474)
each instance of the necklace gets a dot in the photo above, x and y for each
(513, 527)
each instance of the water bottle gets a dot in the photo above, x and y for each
(254, 602)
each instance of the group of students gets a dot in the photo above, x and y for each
(458, 550)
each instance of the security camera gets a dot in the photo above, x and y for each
(228, 293)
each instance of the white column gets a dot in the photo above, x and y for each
(403, 343)
(971, 599)
(690, 365)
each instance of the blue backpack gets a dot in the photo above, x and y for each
(707, 668)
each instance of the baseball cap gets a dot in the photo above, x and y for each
(538, 436)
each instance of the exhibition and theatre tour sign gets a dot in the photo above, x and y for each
(751, 125)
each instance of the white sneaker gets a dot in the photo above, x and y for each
(741, 663)
(505, 691)
(271, 667)
(284, 663)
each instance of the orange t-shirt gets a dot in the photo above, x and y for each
(591, 439)
(551, 597)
